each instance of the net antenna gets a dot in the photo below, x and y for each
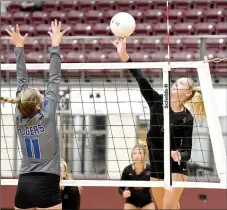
(212, 120)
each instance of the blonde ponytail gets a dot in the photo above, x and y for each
(65, 166)
(10, 100)
(143, 146)
(195, 103)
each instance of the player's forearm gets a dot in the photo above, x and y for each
(54, 73)
(22, 75)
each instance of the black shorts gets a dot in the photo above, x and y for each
(139, 201)
(39, 190)
(157, 169)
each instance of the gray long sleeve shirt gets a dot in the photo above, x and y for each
(39, 138)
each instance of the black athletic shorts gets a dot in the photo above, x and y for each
(39, 190)
(139, 201)
(157, 169)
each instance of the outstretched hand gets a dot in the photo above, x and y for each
(120, 44)
(56, 34)
(16, 37)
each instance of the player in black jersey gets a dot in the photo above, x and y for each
(183, 94)
(137, 198)
(70, 195)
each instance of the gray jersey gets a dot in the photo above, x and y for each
(39, 138)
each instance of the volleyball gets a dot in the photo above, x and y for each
(122, 24)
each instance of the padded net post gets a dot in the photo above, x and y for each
(215, 131)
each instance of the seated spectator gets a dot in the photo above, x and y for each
(4, 5)
(31, 5)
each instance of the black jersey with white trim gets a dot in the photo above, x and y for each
(129, 174)
(181, 127)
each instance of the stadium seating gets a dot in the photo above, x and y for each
(91, 18)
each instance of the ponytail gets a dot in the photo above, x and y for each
(10, 100)
(195, 103)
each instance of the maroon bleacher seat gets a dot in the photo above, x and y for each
(220, 4)
(67, 5)
(106, 45)
(175, 44)
(151, 44)
(133, 44)
(123, 5)
(214, 15)
(107, 15)
(184, 28)
(27, 29)
(3, 58)
(142, 5)
(159, 56)
(153, 15)
(11, 57)
(3, 31)
(49, 6)
(68, 45)
(215, 43)
(93, 16)
(202, 4)
(185, 5)
(221, 28)
(101, 29)
(104, 5)
(176, 15)
(21, 17)
(6, 18)
(182, 56)
(75, 57)
(137, 14)
(82, 29)
(42, 29)
(39, 17)
(113, 57)
(140, 57)
(85, 5)
(162, 5)
(58, 15)
(191, 44)
(143, 29)
(69, 31)
(14, 6)
(91, 45)
(96, 57)
(221, 67)
(211, 54)
(31, 45)
(204, 28)
(44, 44)
(193, 15)
(35, 57)
(74, 17)
(161, 29)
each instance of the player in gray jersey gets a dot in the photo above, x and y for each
(35, 119)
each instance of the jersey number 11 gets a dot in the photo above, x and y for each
(32, 148)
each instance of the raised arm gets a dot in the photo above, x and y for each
(18, 41)
(149, 94)
(52, 93)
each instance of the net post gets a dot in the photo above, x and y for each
(217, 140)
(166, 115)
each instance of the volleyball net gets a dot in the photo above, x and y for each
(102, 115)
